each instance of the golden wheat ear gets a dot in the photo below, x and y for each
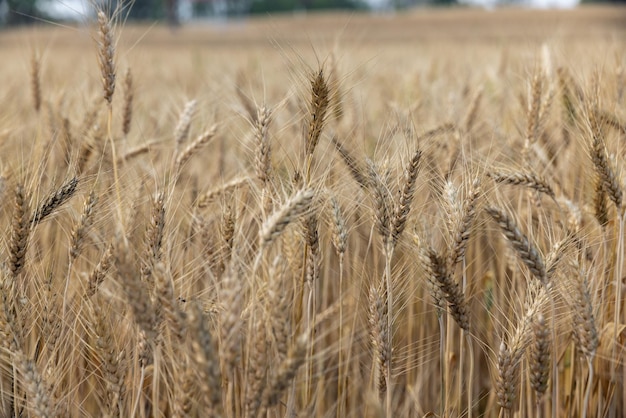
(201, 141)
(20, 231)
(540, 357)
(79, 233)
(351, 162)
(35, 80)
(379, 338)
(286, 373)
(129, 96)
(407, 192)
(181, 132)
(292, 209)
(55, 201)
(106, 56)
(526, 250)
(263, 161)
(318, 107)
(436, 268)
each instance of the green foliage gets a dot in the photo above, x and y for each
(22, 11)
(274, 6)
(143, 9)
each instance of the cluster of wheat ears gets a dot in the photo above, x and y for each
(465, 272)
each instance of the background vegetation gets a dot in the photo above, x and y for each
(29, 11)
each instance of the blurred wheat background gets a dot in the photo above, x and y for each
(329, 215)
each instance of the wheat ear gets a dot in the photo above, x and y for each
(526, 179)
(606, 172)
(129, 94)
(192, 148)
(99, 273)
(320, 99)
(79, 232)
(510, 355)
(264, 152)
(165, 299)
(20, 231)
(352, 164)
(39, 400)
(112, 361)
(204, 200)
(435, 266)
(287, 371)
(35, 81)
(154, 236)
(56, 200)
(382, 202)
(181, 132)
(526, 250)
(462, 225)
(472, 112)
(205, 358)
(340, 232)
(534, 106)
(106, 55)
(379, 338)
(137, 151)
(403, 206)
(137, 294)
(257, 367)
(283, 216)
(540, 357)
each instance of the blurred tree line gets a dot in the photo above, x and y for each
(25, 11)
(18, 11)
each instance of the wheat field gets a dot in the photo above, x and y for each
(409, 215)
